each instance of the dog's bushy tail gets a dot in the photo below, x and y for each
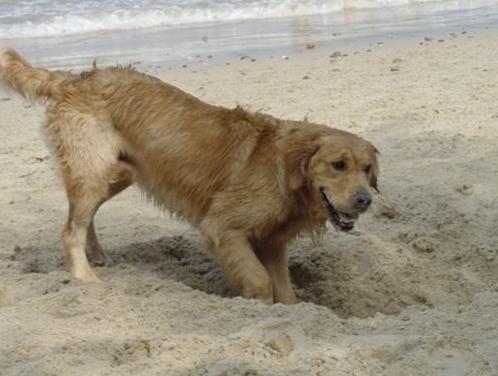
(32, 83)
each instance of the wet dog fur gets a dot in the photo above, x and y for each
(248, 181)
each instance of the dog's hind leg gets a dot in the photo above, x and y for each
(94, 250)
(123, 176)
(83, 205)
(88, 153)
(84, 200)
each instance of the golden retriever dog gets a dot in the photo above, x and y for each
(248, 181)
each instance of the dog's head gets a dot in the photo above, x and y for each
(340, 173)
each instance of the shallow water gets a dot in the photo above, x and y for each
(231, 35)
(44, 18)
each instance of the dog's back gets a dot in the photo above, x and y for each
(181, 150)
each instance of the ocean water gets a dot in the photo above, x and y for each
(44, 18)
(71, 32)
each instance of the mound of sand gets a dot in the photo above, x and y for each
(414, 291)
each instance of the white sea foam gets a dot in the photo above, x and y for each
(42, 18)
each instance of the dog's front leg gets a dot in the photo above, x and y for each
(274, 258)
(243, 271)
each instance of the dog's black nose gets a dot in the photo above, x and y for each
(362, 200)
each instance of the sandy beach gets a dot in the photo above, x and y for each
(413, 291)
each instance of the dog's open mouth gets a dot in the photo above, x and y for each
(341, 221)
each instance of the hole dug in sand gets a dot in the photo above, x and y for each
(356, 275)
(352, 275)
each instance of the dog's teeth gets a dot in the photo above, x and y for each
(346, 217)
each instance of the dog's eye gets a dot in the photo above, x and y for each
(339, 165)
(368, 169)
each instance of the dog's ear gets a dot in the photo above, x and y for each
(375, 169)
(373, 181)
(297, 174)
(297, 163)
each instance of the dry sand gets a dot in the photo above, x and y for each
(413, 292)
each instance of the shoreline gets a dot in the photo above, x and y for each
(220, 43)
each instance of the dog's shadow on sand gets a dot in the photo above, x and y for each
(180, 258)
